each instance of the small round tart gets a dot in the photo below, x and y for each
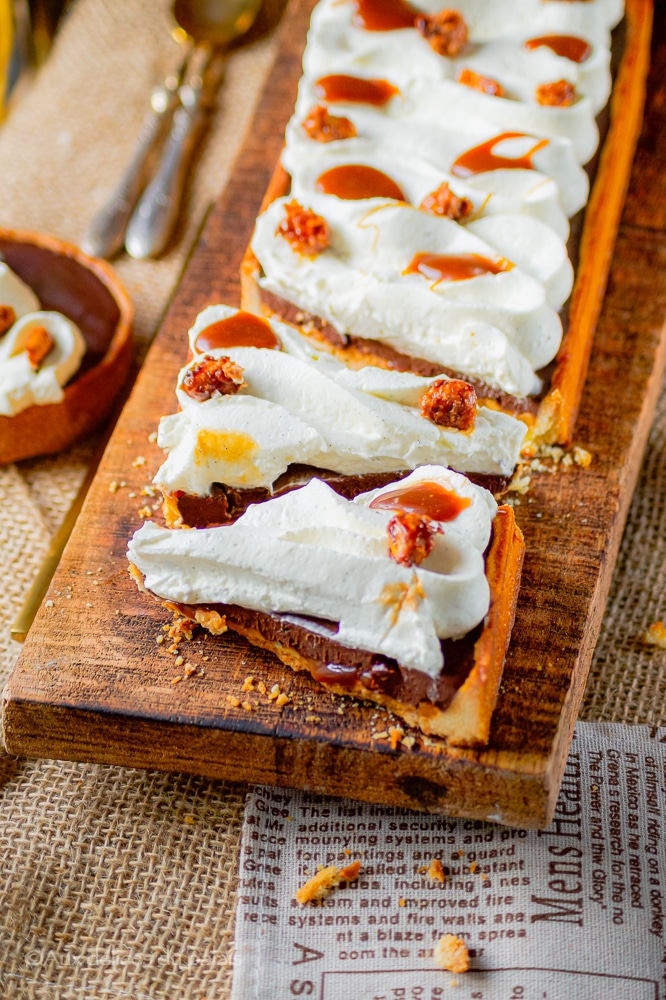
(88, 293)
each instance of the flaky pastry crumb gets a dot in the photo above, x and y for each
(451, 954)
(321, 884)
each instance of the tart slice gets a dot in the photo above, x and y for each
(262, 410)
(386, 598)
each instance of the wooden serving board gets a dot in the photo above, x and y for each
(94, 684)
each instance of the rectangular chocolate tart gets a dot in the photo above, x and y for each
(552, 413)
(262, 412)
(457, 706)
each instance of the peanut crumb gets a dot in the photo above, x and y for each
(173, 648)
(451, 954)
(152, 437)
(234, 702)
(48, 604)
(274, 692)
(144, 512)
(473, 867)
(248, 706)
(138, 461)
(582, 457)
(189, 670)
(656, 635)
(114, 487)
(436, 870)
(179, 661)
(181, 628)
(159, 640)
(401, 902)
(326, 879)
(282, 700)
(248, 684)
(313, 718)
(177, 679)
(261, 687)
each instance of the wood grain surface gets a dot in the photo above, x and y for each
(93, 683)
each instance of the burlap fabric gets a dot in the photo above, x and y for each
(114, 882)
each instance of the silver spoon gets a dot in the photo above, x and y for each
(105, 235)
(213, 25)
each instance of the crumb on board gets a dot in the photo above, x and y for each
(139, 461)
(474, 865)
(321, 884)
(655, 635)
(436, 870)
(181, 628)
(451, 954)
(282, 699)
(582, 457)
(519, 484)
(248, 684)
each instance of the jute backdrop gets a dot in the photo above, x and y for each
(115, 882)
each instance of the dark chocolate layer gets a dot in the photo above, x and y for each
(291, 313)
(332, 663)
(226, 504)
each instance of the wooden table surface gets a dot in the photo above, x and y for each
(93, 683)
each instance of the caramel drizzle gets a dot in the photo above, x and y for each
(567, 46)
(242, 329)
(455, 267)
(356, 182)
(481, 158)
(383, 15)
(342, 88)
(425, 498)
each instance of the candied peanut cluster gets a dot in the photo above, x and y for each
(450, 403)
(445, 32)
(322, 126)
(485, 84)
(444, 202)
(38, 345)
(7, 319)
(411, 537)
(212, 377)
(560, 94)
(304, 230)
